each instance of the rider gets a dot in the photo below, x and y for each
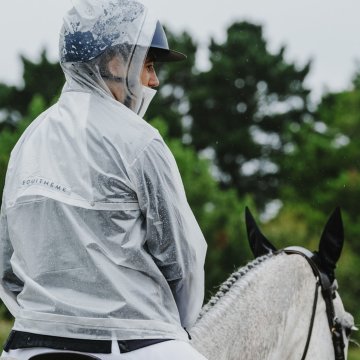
(99, 250)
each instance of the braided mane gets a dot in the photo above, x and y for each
(226, 286)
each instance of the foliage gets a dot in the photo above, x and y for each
(8, 138)
(354, 353)
(39, 78)
(5, 327)
(356, 78)
(243, 107)
(333, 137)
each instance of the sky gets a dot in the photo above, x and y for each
(324, 31)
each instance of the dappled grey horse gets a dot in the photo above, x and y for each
(283, 305)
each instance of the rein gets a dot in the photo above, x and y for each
(328, 293)
(312, 320)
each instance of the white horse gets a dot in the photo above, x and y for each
(264, 311)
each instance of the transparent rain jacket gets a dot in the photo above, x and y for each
(97, 239)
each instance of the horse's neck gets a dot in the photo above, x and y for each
(265, 314)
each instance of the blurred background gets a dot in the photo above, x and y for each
(264, 113)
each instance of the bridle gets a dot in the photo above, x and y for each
(328, 290)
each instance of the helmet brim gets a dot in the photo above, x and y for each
(163, 55)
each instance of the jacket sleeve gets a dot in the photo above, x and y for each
(174, 238)
(10, 284)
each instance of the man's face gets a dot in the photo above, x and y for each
(148, 75)
(116, 68)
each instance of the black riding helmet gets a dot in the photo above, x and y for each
(159, 48)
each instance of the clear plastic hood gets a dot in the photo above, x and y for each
(103, 46)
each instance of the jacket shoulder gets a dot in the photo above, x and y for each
(116, 124)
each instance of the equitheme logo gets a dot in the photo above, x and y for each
(49, 184)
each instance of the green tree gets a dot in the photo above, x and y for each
(323, 167)
(356, 77)
(8, 138)
(42, 78)
(243, 107)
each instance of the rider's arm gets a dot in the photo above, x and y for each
(10, 284)
(174, 238)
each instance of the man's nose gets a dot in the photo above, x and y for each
(154, 81)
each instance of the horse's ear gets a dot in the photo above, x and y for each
(331, 242)
(259, 244)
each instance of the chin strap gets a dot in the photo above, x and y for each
(117, 79)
